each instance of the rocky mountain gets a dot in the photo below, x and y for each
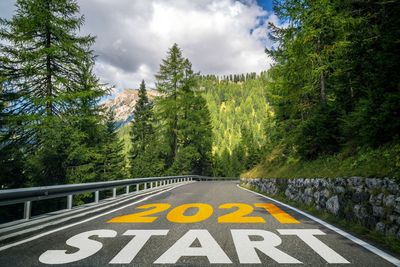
(123, 104)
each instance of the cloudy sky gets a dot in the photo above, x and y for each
(218, 36)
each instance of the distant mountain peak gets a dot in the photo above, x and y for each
(123, 104)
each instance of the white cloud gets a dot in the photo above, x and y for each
(218, 36)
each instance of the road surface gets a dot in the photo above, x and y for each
(194, 224)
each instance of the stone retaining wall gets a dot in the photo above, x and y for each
(373, 202)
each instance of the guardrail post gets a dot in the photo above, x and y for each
(96, 197)
(69, 202)
(145, 186)
(27, 210)
(114, 192)
(127, 189)
(137, 187)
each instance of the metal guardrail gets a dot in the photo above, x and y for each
(28, 195)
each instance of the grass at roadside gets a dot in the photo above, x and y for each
(366, 162)
(390, 243)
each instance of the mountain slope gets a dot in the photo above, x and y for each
(124, 102)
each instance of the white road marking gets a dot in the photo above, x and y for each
(246, 248)
(308, 236)
(87, 247)
(84, 221)
(129, 252)
(208, 248)
(356, 240)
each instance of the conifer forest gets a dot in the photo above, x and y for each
(328, 105)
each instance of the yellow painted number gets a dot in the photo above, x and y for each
(239, 215)
(177, 215)
(143, 216)
(277, 213)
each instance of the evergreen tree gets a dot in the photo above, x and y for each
(11, 157)
(42, 59)
(145, 156)
(169, 82)
(142, 124)
(184, 116)
(87, 120)
(111, 163)
(327, 92)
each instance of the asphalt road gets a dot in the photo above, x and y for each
(186, 234)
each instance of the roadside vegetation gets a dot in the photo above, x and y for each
(327, 107)
(334, 90)
(365, 162)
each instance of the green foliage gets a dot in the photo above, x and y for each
(11, 158)
(52, 128)
(172, 135)
(319, 134)
(334, 90)
(239, 114)
(183, 118)
(150, 163)
(144, 157)
(365, 162)
(186, 161)
(142, 128)
(110, 162)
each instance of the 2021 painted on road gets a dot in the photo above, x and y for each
(243, 239)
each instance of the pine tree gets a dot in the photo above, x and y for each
(41, 59)
(185, 116)
(87, 120)
(145, 156)
(142, 124)
(111, 163)
(169, 83)
(11, 157)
